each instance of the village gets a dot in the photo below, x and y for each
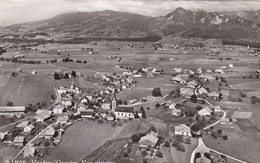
(183, 107)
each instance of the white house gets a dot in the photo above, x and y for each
(48, 134)
(172, 106)
(176, 112)
(205, 111)
(177, 70)
(85, 100)
(82, 108)
(63, 119)
(219, 71)
(124, 112)
(23, 124)
(106, 106)
(19, 141)
(28, 128)
(42, 115)
(213, 95)
(29, 151)
(182, 130)
(58, 109)
(202, 91)
(66, 102)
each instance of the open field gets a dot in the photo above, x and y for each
(83, 138)
(7, 153)
(242, 145)
(110, 151)
(24, 90)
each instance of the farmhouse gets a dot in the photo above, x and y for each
(29, 151)
(150, 139)
(66, 101)
(182, 130)
(23, 124)
(176, 112)
(109, 117)
(213, 95)
(48, 134)
(202, 91)
(42, 115)
(63, 119)
(186, 92)
(177, 79)
(58, 109)
(205, 111)
(12, 110)
(220, 71)
(19, 141)
(85, 100)
(177, 70)
(172, 106)
(28, 128)
(224, 121)
(89, 113)
(82, 108)
(124, 112)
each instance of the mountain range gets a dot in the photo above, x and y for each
(244, 25)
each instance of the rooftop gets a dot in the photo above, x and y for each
(124, 109)
(12, 108)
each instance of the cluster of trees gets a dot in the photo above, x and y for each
(65, 75)
(67, 59)
(34, 107)
(9, 103)
(255, 100)
(15, 60)
(219, 133)
(142, 111)
(2, 50)
(156, 92)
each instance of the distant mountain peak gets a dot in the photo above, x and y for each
(113, 24)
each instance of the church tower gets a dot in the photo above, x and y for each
(113, 102)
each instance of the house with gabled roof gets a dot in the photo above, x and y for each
(12, 110)
(213, 95)
(205, 111)
(42, 115)
(88, 113)
(28, 128)
(150, 139)
(23, 124)
(201, 91)
(63, 119)
(182, 130)
(48, 133)
(29, 151)
(58, 109)
(124, 112)
(19, 141)
(186, 92)
(176, 112)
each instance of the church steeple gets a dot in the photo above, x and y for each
(114, 102)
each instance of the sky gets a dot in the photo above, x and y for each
(19, 11)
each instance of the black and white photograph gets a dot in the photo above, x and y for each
(129, 81)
